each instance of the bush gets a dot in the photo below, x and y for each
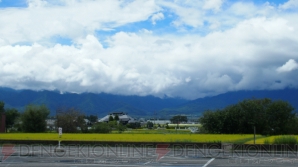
(113, 124)
(135, 125)
(266, 141)
(120, 128)
(285, 140)
(101, 128)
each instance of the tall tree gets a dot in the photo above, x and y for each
(11, 116)
(268, 117)
(33, 118)
(70, 119)
(279, 116)
(149, 125)
(211, 121)
(2, 110)
(111, 118)
(116, 117)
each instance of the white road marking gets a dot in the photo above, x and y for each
(208, 162)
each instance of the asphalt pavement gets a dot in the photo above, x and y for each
(100, 155)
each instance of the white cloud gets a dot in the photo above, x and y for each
(73, 20)
(288, 67)
(36, 3)
(188, 12)
(139, 63)
(242, 50)
(291, 4)
(213, 4)
(196, 14)
(156, 17)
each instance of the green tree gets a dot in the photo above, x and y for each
(101, 127)
(93, 118)
(116, 118)
(178, 119)
(279, 117)
(11, 116)
(134, 125)
(2, 110)
(33, 118)
(268, 117)
(120, 127)
(212, 121)
(70, 120)
(81, 123)
(111, 118)
(112, 124)
(149, 125)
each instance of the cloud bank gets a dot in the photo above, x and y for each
(187, 49)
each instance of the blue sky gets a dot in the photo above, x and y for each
(178, 48)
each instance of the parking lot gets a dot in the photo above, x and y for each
(145, 155)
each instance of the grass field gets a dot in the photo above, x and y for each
(209, 138)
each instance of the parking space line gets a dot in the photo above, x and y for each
(208, 162)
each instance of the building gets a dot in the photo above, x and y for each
(123, 118)
(161, 122)
(50, 124)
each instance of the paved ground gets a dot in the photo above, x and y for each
(86, 155)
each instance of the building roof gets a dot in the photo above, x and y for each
(123, 117)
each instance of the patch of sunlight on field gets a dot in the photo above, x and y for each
(209, 138)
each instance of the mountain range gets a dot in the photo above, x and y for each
(138, 106)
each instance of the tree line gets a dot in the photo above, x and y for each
(267, 116)
(72, 120)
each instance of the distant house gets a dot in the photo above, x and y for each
(123, 118)
(50, 123)
(87, 121)
(161, 122)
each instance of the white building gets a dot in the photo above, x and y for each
(50, 123)
(161, 122)
(123, 118)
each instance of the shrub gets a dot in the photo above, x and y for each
(120, 128)
(285, 140)
(266, 141)
(101, 128)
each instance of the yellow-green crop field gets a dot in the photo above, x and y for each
(210, 138)
(269, 140)
(155, 131)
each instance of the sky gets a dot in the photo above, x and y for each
(165, 48)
